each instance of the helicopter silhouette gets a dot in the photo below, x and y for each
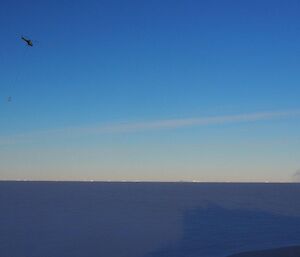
(28, 41)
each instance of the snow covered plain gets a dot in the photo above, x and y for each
(110, 219)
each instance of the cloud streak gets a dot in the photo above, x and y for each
(191, 122)
(151, 125)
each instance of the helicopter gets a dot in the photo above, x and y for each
(28, 41)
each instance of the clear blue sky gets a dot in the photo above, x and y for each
(151, 65)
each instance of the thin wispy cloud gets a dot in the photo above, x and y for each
(131, 127)
(190, 122)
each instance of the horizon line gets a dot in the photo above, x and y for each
(152, 181)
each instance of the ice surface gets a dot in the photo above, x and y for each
(72, 219)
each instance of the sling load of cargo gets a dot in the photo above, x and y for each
(29, 43)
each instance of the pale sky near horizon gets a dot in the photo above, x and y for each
(150, 90)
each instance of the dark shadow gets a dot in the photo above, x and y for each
(215, 231)
(292, 251)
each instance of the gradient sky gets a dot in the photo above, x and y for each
(150, 90)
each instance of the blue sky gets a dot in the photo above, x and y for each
(97, 65)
